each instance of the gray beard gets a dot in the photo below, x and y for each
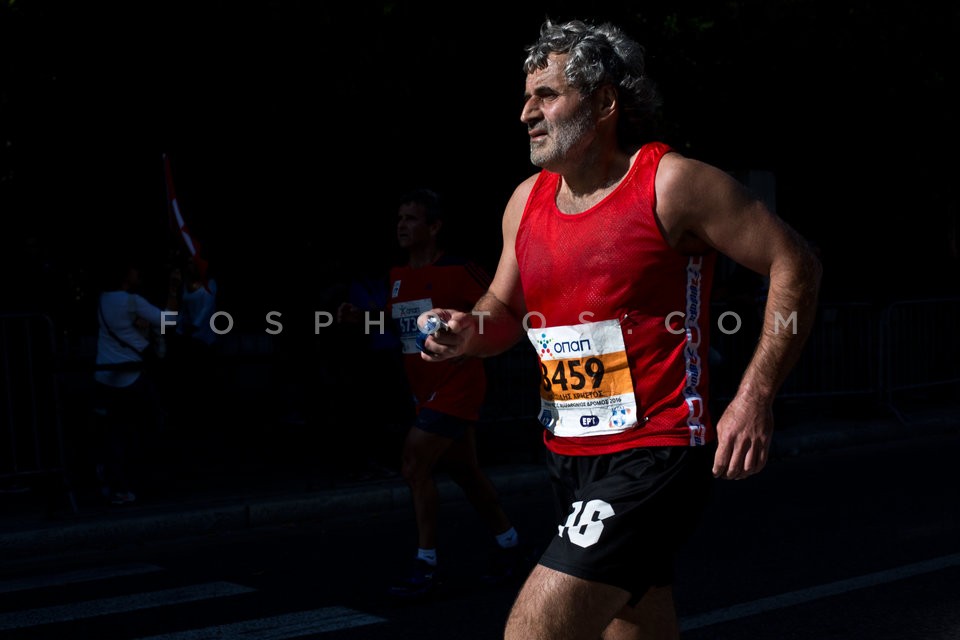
(562, 137)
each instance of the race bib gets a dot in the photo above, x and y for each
(585, 388)
(406, 313)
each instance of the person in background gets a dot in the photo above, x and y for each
(607, 261)
(198, 303)
(125, 393)
(447, 397)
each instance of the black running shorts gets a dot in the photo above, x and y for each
(623, 516)
(442, 424)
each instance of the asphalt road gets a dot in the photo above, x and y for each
(862, 542)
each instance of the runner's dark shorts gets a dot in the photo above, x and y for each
(442, 424)
(623, 516)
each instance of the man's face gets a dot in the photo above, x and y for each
(413, 231)
(557, 117)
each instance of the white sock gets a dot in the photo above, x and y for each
(428, 555)
(508, 538)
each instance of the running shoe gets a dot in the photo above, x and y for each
(421, 581)
(123, 497)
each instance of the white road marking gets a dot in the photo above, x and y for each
(121, 604)
(801, 596)
(291, 625)
(73, 577)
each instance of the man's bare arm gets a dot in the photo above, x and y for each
(701, 206)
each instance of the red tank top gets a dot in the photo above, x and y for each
(453, 387)
(611, 262)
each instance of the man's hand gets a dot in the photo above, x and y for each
(449, 342)
(744, 432)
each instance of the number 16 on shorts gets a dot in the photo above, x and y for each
(585, 523)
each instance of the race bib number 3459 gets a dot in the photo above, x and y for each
(585, 383)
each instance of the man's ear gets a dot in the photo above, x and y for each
(607, 100)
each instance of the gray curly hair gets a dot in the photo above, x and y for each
(598, 55)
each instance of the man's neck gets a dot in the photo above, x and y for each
(424, 256)
(591, 181)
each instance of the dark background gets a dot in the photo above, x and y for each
(292, 126)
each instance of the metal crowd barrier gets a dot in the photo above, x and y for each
(842, 356)
(30, 412)
(921, 348)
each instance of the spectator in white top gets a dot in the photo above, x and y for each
(125, 396)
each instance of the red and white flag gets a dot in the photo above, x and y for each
(178, 223)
